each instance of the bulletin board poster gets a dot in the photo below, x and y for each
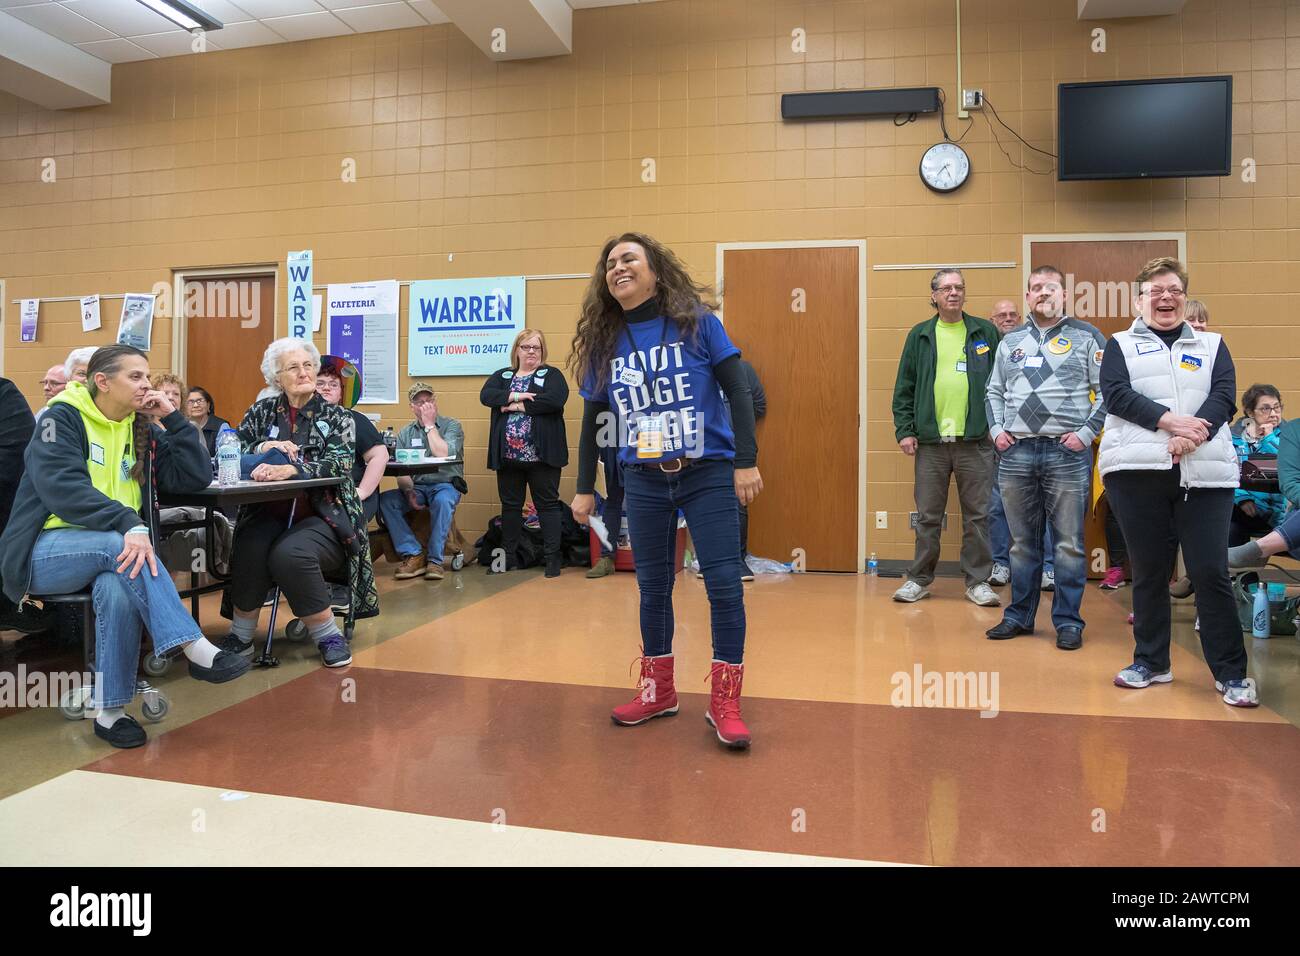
(463, 326)
(363, 330)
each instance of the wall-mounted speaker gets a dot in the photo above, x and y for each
(835, 104)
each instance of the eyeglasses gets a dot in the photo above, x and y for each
(296, 369)
(530, 348)
(196, 401)
(1267, 409)
(948, 289)
(49, 381)
(1157, 293)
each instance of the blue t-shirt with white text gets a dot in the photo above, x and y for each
(662, 384)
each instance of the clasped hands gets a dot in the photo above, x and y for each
(1188, 433)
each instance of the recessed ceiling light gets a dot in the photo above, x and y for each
(184, 14)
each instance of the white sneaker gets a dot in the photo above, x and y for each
(910, 593)
(1001, 576)
(1239, 693)
(1049, 581)
(983, 595)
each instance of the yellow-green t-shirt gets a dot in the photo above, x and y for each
(951, 389)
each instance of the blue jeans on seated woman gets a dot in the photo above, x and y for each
(1042, 483)
(67, 560)
(706, 492)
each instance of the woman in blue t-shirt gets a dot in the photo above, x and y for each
(654, 363)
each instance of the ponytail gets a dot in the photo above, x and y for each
(140, 440)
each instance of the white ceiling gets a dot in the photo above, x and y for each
(119, 31)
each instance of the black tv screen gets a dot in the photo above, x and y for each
(1145, 129)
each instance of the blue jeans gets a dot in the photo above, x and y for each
(441, 500)
(65, 560)
(1000, 534)
(1043, 483)
(706, 492)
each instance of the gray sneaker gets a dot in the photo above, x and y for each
(334, 651)
(234, 645)
(1049, 581)
(1139, 675)
(983, 595)
(1001, 576)
(1238, 693)
(910, 593)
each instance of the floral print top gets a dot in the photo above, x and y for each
(519, 426)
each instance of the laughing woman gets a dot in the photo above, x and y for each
(85, 516)
(649, 347)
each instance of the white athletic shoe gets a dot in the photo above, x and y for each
(1239, 693)
(983, 595)
(910, 593)
(1001, 576)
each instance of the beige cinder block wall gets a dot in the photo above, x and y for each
(234, 157)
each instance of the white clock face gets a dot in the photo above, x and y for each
(944, 167)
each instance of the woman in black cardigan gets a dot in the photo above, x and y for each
(528, 445)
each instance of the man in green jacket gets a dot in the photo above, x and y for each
(939, 420)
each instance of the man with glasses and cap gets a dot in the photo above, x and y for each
(438, 437)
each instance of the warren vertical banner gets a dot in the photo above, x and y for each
(299, 264)
(463, 326)
(363, 330)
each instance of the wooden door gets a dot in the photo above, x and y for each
(1109, 267)
(808, 363)
(1101, 273)
(230, 320)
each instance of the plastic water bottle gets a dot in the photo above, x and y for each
(873, 566)
(1259, 613)
(228, 454)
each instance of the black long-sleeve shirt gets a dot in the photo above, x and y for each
(1123, 401)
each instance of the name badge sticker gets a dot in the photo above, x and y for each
(1034, 361)
(650, 436)
(417, 442)
(631, 376)
(97, 453)
(1146, 348)
(273, 432)
(961, 367)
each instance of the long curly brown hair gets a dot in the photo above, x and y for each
(680, 298)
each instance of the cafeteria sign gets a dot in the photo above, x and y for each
(463, 326)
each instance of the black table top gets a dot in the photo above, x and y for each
(248, 492)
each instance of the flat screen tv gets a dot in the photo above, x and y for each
(1145, 129)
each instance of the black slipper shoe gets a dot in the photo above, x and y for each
(125, 733)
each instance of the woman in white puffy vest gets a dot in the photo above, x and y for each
(1168, 465)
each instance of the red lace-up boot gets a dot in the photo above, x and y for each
(658, 697)
(724, 704)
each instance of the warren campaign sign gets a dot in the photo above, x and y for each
(463, 326)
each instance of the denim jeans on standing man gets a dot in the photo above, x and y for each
(706, 492)
(66, 560)
(1042, 482)
(1000, 534)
